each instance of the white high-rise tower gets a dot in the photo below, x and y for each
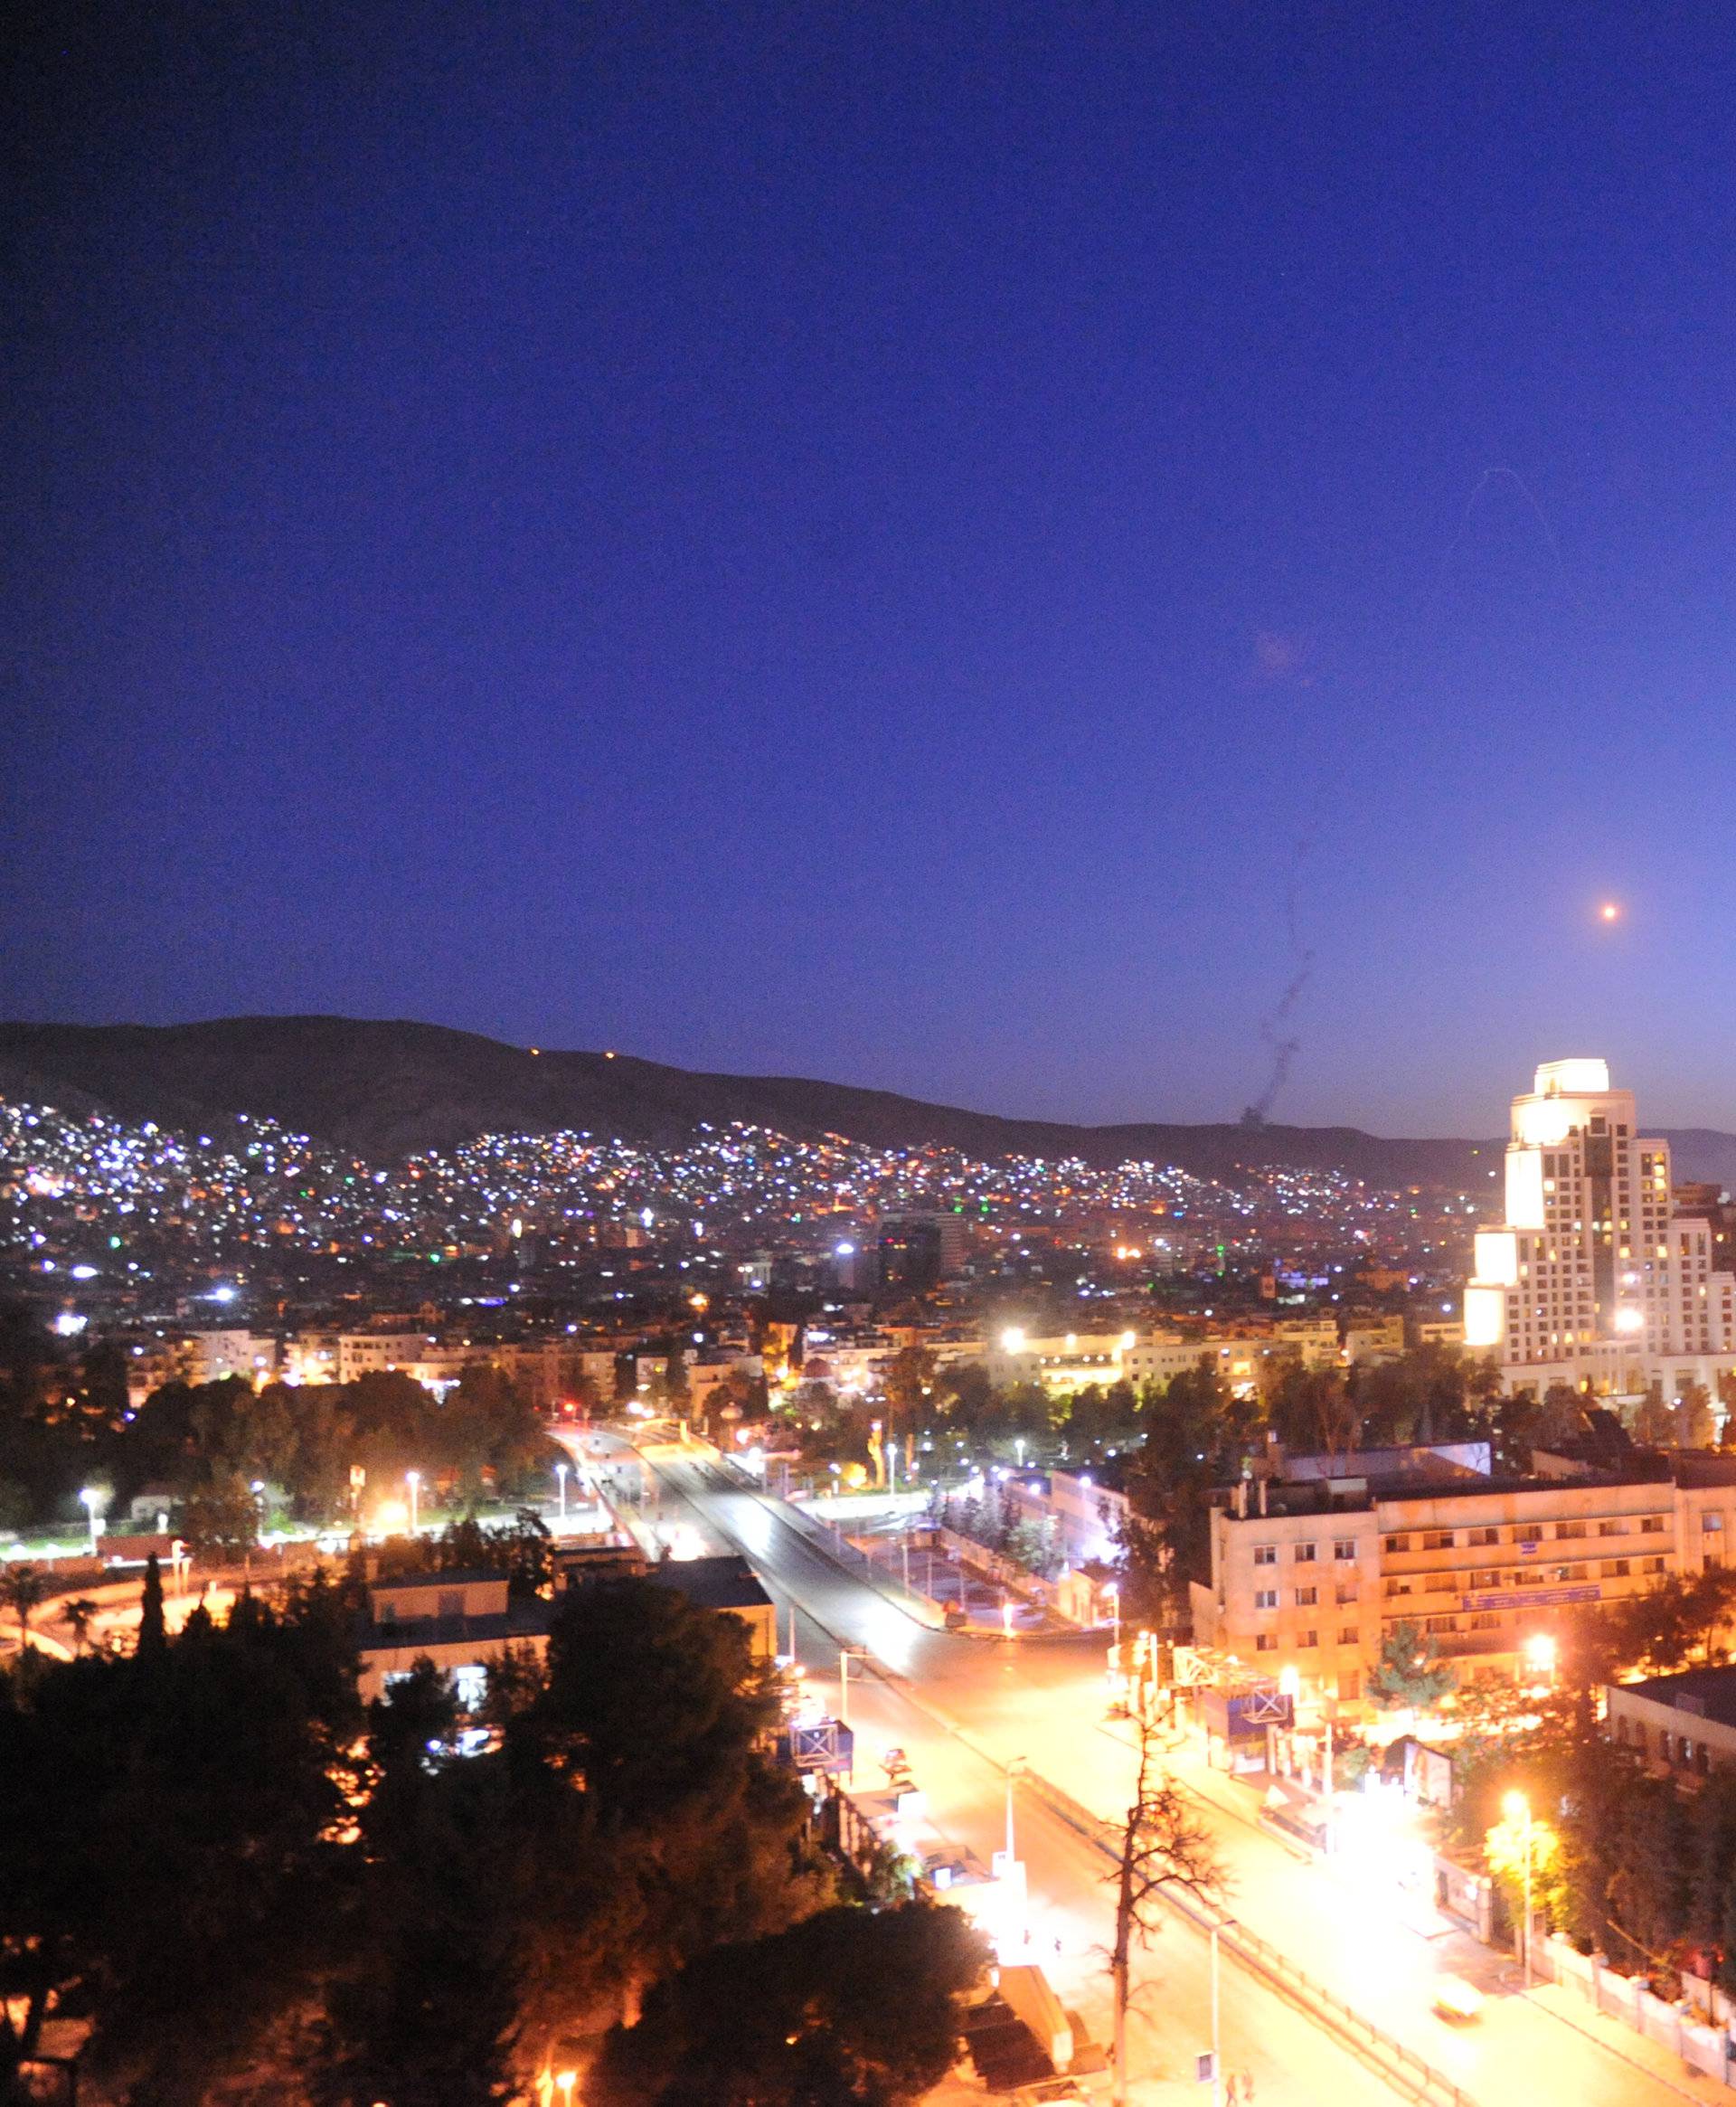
(1593, 1278)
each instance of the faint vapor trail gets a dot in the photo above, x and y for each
(1285, 1050)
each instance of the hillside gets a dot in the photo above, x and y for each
(383, 1088)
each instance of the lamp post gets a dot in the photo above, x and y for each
(1517, 1808)
(412, 1479)
(1217, 2058)
(844, 1655)
(1014, 1764)
(90, 1499)
(561, 1475)
(1115, 1599)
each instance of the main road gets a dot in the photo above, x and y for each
(965, 1707)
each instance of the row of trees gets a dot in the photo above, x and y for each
(212, 1443)
(243, 1879)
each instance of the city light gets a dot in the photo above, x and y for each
(1539, 1653)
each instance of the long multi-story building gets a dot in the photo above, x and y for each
(1312, 1577)
(1594, 1279)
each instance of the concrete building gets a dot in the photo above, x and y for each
(1683, 1723)
(461, 1622)
(1594, 1278)
(1082, 1513)
(1312, 1576)
(726, 1583)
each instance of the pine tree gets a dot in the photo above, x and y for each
(153, 1630)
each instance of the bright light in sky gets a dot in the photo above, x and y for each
(1610, 911)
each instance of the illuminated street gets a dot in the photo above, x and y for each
(1042, 1700)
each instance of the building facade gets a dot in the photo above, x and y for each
(1312, 1577)
(1594, 1278)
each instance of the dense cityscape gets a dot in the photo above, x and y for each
(867, 1165)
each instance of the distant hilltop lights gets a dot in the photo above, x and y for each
(1602, 1274)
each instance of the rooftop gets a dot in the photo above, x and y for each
(1702, 1692)
(725, 1583)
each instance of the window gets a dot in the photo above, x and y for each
(451, 1601)
(1570, 1528)
(1612, 1528)
(1712, 1521)
(1265, 1554)
(1304, 1554)
(1350, 1684)
(1309, 1639)
(1486, 1620)
(1264, 1598)
(1350, 1635)
(1306, 1598)
(1441, 1623)
(1651, 1525)
(1344, 1548)
(1345, 1592)
(1397, 1544)
(1615, 1569)
(1266, 1642)
(1651, 1565)
(1438, 1540)
(1484, 1537)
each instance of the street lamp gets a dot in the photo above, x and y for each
(1014, 1764)
(845, 1654)
(560, 1473)
(1540, 1656)
(1115, 1598)
(412, 1479)
(1517, 1810)
(91, 1499)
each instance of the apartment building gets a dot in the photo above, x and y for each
(1594, 1276)
(1311, 1577)
(200, 1357)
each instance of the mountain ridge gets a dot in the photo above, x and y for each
(385, 1087)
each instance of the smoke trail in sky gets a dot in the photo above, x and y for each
(1285, 1048)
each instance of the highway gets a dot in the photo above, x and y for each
(1042, 1699)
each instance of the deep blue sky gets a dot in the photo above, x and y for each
(887, 541)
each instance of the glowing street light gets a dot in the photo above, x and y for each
(413, 1479)
(1540, 1656)
(1517, 1810)
(91, 1499)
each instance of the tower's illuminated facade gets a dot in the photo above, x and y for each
(1592, 1277)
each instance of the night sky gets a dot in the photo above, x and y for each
(949, 547)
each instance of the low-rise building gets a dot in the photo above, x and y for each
(726, 1583)
(1685, 1724)
(462, 1621)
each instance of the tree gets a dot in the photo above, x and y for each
(851, 2004)
(1694, 1424)
(908, 1384)
(1165, 1847)
(81, 1614)
(1410, 1673)
(1315, 1410)
(1654, 1421)
(1527, 1851)
(169, 1853)
(153, 1629)
(22, 1587)
(223, 1517)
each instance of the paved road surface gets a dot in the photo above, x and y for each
(1042, 1698)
